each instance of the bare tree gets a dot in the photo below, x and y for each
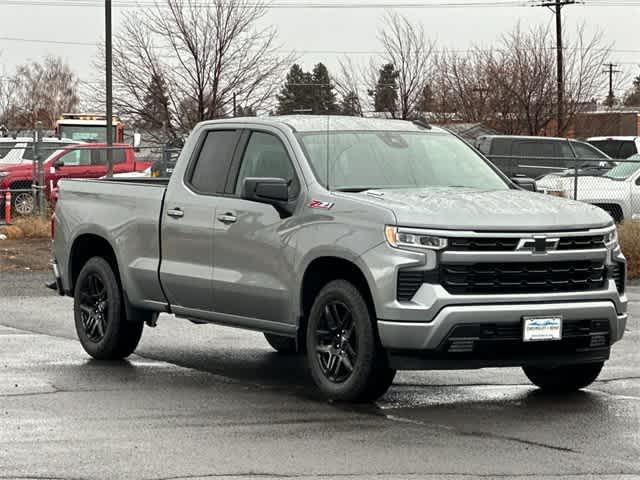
(203, 55)
(408, 49)
(38, 92)
(512, 88)
(350, 83)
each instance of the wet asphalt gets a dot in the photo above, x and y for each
(203, 401)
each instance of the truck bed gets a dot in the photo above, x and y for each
(127, 213)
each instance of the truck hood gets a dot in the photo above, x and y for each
(495, 210)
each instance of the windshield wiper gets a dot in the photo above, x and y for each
(354, 189)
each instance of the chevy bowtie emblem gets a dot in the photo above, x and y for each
(538, 244)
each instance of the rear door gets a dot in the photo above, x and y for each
(187, 225)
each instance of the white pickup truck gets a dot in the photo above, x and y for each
(617, 191)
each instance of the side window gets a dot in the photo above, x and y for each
(565, 150)
(77, 158)
(99, 156)
(584, 151)
(266, 156)
(501, 146)
(209, 174)
(534, 149)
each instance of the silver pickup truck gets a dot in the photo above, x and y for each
(370, 245)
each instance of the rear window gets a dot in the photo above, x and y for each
(621, 149)
(501, 146)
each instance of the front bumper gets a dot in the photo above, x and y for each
(425, 330)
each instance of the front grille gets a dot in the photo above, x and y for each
(617, 273)
(581, 243)
(481, 244)
(496, 244)
(533, 277)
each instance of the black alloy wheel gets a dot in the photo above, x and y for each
(336, 342)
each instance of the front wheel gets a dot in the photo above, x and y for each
(568, 378)
(344, 354)
(101, 324)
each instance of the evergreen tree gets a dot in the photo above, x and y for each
(156, 105)
(633, 97)
(294, 95)
(350, 104)
(324, 98)
(385, 95)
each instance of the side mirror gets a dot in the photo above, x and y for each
(525, 183)
(274, 191)
(58, 163)
(137, 138)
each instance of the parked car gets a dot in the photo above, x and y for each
(16, 150)
(76, 161)
(372, 245)
(538, 156)
(617, 191)
(617, 147)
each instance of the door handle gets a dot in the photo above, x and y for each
(228, 218)
(175, 213)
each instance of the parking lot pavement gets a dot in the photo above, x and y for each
(207, 401)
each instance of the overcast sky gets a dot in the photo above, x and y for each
(318, 29)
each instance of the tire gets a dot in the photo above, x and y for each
(344, 354)
(568, 378)
(101, 324)
(281, 344)
(23, 203)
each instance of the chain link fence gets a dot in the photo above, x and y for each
(613, 185)
(30, 171)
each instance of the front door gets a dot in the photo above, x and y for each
(253, 264)
(187, 229)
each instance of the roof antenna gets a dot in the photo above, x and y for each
(328, 173)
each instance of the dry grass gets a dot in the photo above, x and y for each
(629, 237)
(28, 227)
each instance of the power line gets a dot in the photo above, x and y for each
(306, 51)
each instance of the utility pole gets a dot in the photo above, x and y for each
(556, 7)
(610, 70)
(109, 82)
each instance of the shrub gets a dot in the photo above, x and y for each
(629, 237)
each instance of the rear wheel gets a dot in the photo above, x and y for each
(344, 354)
(568, 378)
(101, 324)
(281, 344)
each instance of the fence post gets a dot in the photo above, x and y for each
(575, 181)
(40, 176)
(7, 207)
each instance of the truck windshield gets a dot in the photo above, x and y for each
(624, 170)
(360, 160)
(86, 133)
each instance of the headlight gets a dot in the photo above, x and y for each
(611, 238)
(3, 174)
(408, 238)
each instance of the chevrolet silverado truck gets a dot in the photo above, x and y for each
(369, 245)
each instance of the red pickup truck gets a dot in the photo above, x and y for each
(75, 161)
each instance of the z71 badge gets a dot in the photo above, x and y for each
(321, 205)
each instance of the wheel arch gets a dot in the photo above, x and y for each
(324, 269)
